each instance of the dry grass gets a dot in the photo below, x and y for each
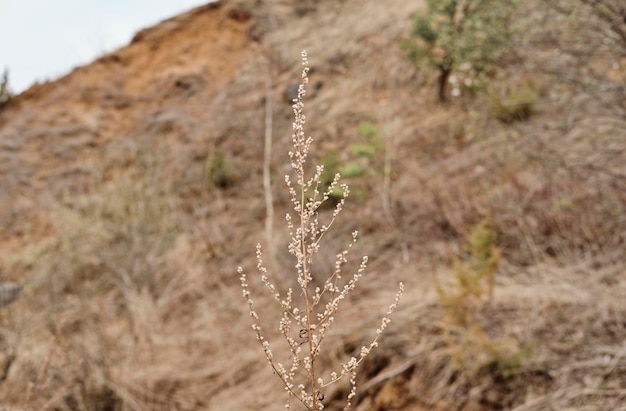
(130, 301)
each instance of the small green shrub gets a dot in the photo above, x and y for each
(371, 133)
(472, 279)
(221, 172)
(352, 169)
(463, 300)
(368, 129)
(5, 92)
(363, 150)
(516, 105)
(362, 163)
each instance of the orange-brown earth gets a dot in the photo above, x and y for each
(131, 189)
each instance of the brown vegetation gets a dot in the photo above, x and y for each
(125, 231)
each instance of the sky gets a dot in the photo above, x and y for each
(44, 39)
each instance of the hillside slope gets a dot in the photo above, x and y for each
(132, 188)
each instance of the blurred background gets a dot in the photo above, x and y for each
(484, 143)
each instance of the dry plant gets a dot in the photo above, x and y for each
(305, 324)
